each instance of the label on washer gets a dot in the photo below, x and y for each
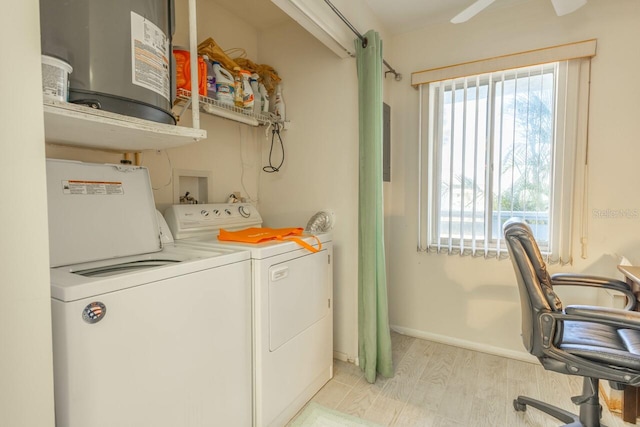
(100, 188)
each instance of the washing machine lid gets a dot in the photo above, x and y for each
(99, 211)
(90, 279)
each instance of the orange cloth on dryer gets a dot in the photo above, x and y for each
(264, 234)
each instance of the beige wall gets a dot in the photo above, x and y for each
(474, 301)
(26, 372)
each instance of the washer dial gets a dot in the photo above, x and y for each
(244, 211)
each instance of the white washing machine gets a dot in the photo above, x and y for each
(144, 333)
(292, 306)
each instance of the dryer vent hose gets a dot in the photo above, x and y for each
(320, 222)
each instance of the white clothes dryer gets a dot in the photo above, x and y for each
(292, 306)
(144, 333)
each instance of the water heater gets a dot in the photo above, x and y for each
(120, 51)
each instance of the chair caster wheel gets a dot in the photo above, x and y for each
(520, 407)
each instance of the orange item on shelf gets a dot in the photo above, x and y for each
(183, 71)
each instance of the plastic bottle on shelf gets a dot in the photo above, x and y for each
(224, 84)
(257, 98)
(211, 78)
(278, 104)
(265, 97)
(238, 97)
(202, 76)
(248, 98)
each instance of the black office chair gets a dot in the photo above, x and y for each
(591, 342)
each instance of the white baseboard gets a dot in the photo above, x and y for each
(345, 357)
(470, 345)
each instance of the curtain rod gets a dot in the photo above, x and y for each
(363, 39)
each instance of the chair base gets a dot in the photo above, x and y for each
(590, 409)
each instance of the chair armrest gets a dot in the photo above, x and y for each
(616, 318)
(611, 316)
(567, 279)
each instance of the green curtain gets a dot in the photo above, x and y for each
(373, 320)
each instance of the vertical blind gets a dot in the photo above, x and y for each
(493, 158)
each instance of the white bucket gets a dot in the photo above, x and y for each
(55, 78)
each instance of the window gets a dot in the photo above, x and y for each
(494, 146)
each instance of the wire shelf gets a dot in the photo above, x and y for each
(231, 112)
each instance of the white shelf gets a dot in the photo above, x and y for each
(216, 108)
(78, 125)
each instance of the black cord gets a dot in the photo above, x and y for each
(271, 168)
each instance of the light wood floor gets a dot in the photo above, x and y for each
(436, 385)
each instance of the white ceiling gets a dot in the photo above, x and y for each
(407, 15)
(401, 16)
(397, 16)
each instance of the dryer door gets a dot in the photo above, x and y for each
(298, 296)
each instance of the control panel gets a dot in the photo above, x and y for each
(190, 220)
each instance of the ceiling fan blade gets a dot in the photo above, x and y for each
(471, 11)
(564, 7)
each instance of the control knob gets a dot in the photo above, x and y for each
(246, 213)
